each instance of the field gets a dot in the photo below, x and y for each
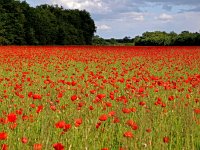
(99, 98)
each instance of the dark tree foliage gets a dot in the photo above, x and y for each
(98, 41)
(126, 41)
(21, 24)
(158, 38)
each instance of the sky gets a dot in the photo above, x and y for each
(120, 18)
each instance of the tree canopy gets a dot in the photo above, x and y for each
(158, 38)
(21, 24)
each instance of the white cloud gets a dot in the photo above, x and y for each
(135, 16)
(103, 27)
(128, 17)
(174, 2)
(95, 6)
(164, 17)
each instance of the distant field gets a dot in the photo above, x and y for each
(99, 98)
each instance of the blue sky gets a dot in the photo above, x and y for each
(120, 18)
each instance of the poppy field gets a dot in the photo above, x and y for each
(99, 98)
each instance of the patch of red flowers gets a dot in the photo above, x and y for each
(78, 122)
(74, 97)
(37, 146)
(37, 96)
(4, 147)
(128, 134)
(103, 117)
(197, 111)
(12, 117)
(60, 124)
(132, 124)
(3, 135)
(58, 146)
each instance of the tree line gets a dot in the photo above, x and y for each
(126, 41)
(21, 24)
(156, 38)
(159, 38)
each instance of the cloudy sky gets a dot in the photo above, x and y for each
(120, 18)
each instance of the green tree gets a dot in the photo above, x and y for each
(12, 20)
(87, 26)
(97, 40)
(21, 24)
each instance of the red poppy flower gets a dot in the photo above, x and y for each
(4, 147)
(74, 97)
(30, 94)
(92, 91)
(3, 135)
(3, 121)
(39, 109)
(67, 127)
(78, 122)
(171, 98)
(141, 90)
(58, 146)
(19, 112)
(197, 111)
(142, 103)
(60, 95)
(132, 124)
(32, 105)
(116, 120)
(60, 124)
(112, 113)
(91, 107)
(112, 97)
(128, 134)
(24, 117)
(126, 110)
(53, 107)
(133, 109)
(163, 105)
(13, 126)
(37, 146)
(24, 140)
(98, 125)
(73, 83)
(103, 117)
(105, 149)
(108, 104)
(101, 96)
(12, 117)
(148, 130)
(81, 104)
(166, 139)
(37, 96)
